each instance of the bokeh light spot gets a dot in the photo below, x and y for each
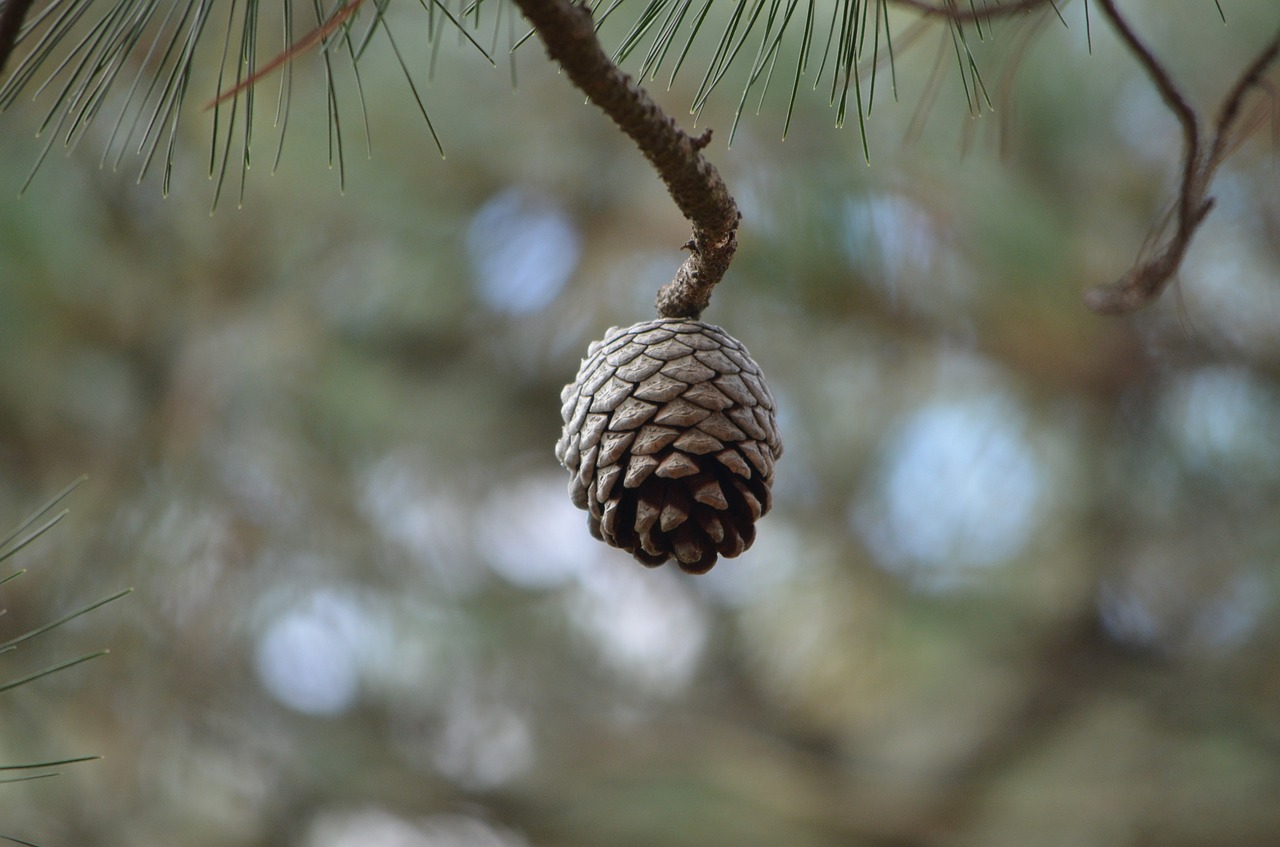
(308, 657)
(643, 624)
(533, 536)
(957, 489)
(379, 828)
(523, 248)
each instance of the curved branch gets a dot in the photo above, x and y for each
(1230, 112)
(1177, 103)
(1201, 156)
(1146, 281)
(568, 32)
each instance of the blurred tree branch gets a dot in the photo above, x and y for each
(951, 10)
(1144, 283)
(568, 32)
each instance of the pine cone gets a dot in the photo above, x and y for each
(670, 438)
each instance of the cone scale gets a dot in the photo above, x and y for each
(670, 439)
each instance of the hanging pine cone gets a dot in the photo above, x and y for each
(670, 438)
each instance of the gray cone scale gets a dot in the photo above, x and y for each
(670, 438)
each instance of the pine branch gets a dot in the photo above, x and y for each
(568, 32)
(1144, 283)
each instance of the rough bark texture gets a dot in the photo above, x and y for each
(568, 32)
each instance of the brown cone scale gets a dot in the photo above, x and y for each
(670, 439)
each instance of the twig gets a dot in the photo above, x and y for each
(568, 32)
(1230, 112)
(1177, 103)
(11, 18)
(1200, 156)
(1144, 283)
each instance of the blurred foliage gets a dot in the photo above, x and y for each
(1020, 583)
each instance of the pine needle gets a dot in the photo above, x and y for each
(35, 516)
(52, 669)
(765, 59)
(30, 777)
(284, 97)
(413, 87)
(801, 63)
(57, 622)
(53, 763)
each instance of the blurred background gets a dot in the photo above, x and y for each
(1020, 585)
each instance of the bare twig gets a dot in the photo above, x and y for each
(1201, 155)
(1144, 283)
(568, 32)
(12, 15)
(1229, 115)
(1174, 99)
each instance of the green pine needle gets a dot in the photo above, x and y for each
(53, 763)
(6, 551)
(133, 64)
(18, 841)
(43, 628)
(30, 777)
(52, 669)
